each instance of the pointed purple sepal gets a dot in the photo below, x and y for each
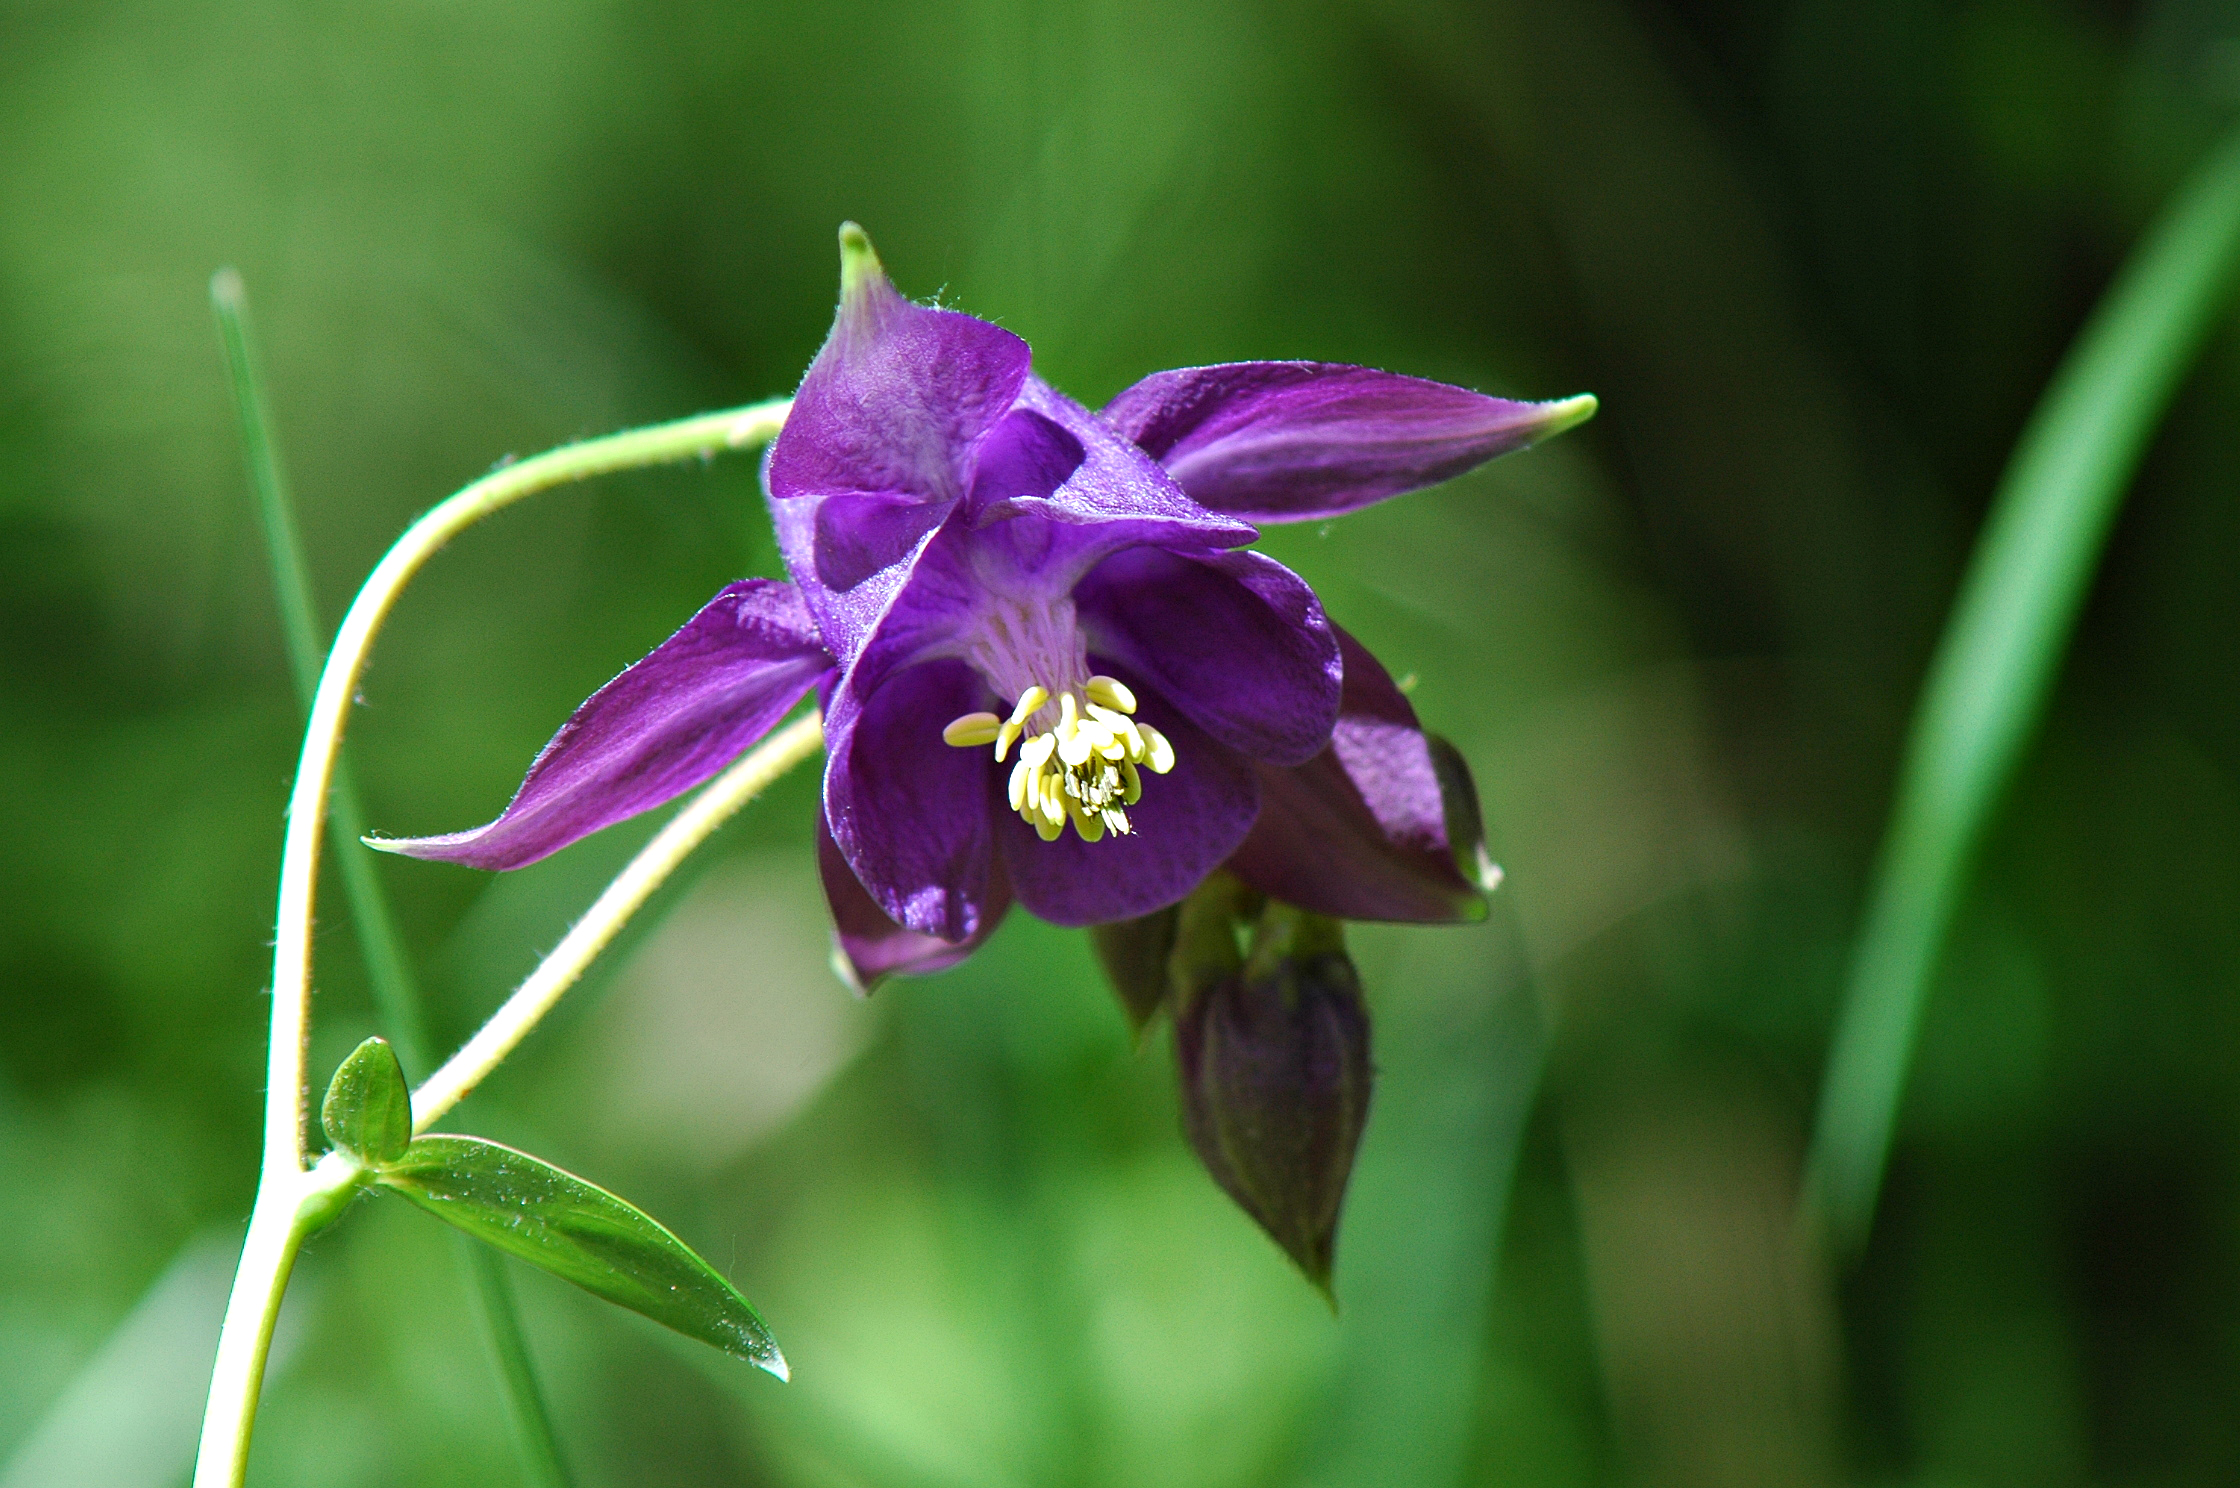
(892, 409)
(1297, 441)
(1361, 831)
(674, 719)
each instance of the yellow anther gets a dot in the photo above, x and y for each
(972, 730)
(1159, 754)
(1112, 692)
(1084, 769)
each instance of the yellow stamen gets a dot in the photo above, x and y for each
(971, 731)
(1084, 769)
(1111, 692)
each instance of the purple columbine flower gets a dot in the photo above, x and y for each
(1050, 673)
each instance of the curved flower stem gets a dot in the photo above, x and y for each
(734, 788)
(292, 1202)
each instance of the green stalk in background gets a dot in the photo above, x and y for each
(396, 994)
(1995, 665)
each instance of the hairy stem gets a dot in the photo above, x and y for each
(736, 786)
(291, 1202)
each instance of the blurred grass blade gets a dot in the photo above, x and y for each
(396, 996)
(128, 1418)
(533, 1437)
(1996, 662)
(580, 1233)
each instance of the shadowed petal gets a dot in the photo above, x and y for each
(1361, 830)
(1187, 822)
(1294, 441)
(872, 947)
(1114, 495)
(910, 814)
(897, 397)
(671, 721)
(1235, 640)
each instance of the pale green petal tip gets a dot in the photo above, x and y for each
(860, 270)
(776, 1364)
(1567, 413)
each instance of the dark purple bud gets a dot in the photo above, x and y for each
(1275, 1081)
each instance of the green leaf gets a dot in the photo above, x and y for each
(1999, 656)
(580, 1233)
(368, 1109)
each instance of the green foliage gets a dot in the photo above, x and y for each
(368, 1109)
(581, 1233)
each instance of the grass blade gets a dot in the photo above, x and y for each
(2000, 652)
(396, 994)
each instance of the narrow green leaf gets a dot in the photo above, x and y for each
(581, 1233)
(1999, 655)
(368, 1109)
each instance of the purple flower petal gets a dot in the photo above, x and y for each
(1114, 493)
(897, 397)
(1295, 441)
(873, 947)
(672, 720)
(913, 816)
(1235, 640)
(1360, 831)
(1187, 822)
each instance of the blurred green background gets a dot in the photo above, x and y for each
(1817, 257)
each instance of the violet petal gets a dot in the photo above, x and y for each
(873, 947)
(1360, 831)
(1235, 640)
(1296, 441)
(1188, 820)
(912, 815)
(672, 720)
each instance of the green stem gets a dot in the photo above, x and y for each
(396, 994)
(288, 1205)
(1988, 683)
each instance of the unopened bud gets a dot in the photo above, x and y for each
(1275, 1081)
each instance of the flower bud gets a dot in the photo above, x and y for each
(1275, 1080)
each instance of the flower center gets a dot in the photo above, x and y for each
(1084, 768)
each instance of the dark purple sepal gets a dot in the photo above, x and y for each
(868, 947)
(1297, 441)
(1275, 1082)
(669, 722)
(1133, 954)
(1361, 830)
